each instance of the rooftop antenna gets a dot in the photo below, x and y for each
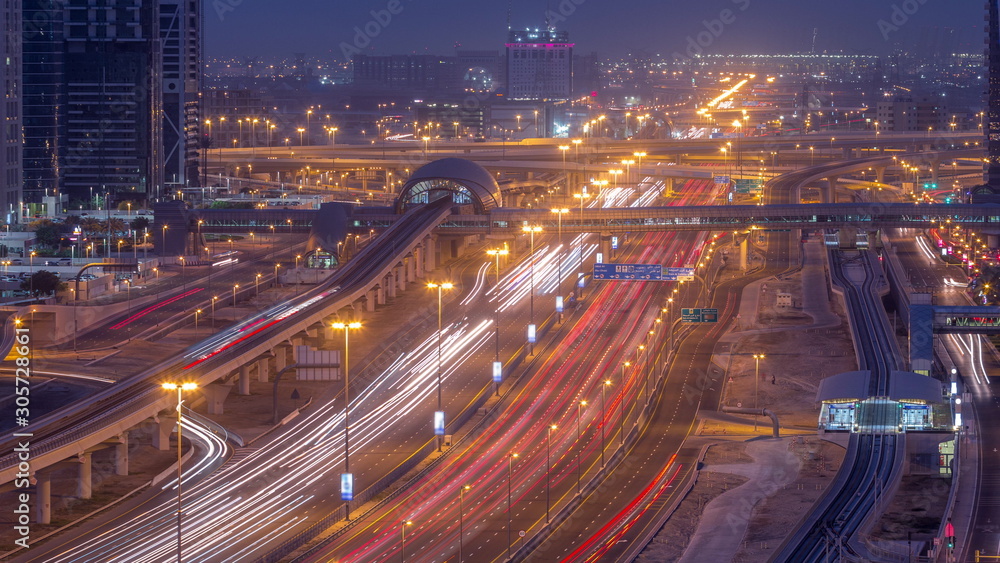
(815, 31)
(548, 10)
(509, 2)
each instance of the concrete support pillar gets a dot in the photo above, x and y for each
(430, 252)
(43, 497)
(161, 433)
(400, 272)
(215, 395)
(370, 298)
(880, 174)
(389, 283)
(121, 454)
(935, 170)
(84, 483)
(262, 370)
(668, 187)
(830, 193)
(418, 261)
(606, 246)
(280, 358)
(742, 252)
(848, 153)
(244, 382)
(411, 271)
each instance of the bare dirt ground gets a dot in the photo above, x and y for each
(796, 360)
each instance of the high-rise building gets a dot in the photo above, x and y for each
(43, 99)
(992, 164)
(110, 98)
(10, 111)
(180, 28)
(539, 65)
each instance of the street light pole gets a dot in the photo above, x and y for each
(579, 446)
(559, 213)
(402, 539)
(621, 407)
(497, 253)
(548, 470)
(440, 410)
(461, 523)
(531, 266)
(604, 416)
(180, 388)
(347, 328)
(756, 384)
(510, 471)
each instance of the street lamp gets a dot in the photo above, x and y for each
(579, 446)
(347, 328)
(621, 406)
(559, 213)
(531, 307)
(439, 415)
(563, 149)
(402, 538)
(548, 469)
(180, 388)
(510, 471)
(756, 384)
(461, 523)
(196, 313)
(256, 284)
(604, 416)
(497, 253)
(214, 299)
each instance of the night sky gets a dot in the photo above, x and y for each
(323, 28)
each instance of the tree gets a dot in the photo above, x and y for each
(42, 282)
(90, 225)
(139, 223)
(47, 235)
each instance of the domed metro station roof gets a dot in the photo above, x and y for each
(465, 181)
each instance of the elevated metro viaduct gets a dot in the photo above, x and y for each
(391, 264)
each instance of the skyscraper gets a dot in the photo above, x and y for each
(180, 25)
(992, 165)
(10, 111)
(111, 98)
(539, 65)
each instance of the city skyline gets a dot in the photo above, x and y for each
(335, 29)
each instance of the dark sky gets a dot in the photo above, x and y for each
(322, 28)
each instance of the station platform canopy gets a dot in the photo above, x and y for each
(904, 386)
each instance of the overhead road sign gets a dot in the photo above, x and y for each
(639, 272)
(678, 274)
(721, 180)
(699, 315)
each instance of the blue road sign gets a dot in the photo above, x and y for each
(640, 272)
(699, 315)
(722, 179)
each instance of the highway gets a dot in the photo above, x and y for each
(431, 501)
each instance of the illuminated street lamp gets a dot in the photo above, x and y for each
(402, 538)
(196, 313)
(621, 406)
(559, 213)
(346, 479)
(214, 299)
(461, 523)
(439, 415)
(563, 149)
(235, 287)
(756, 384)
(604, 417)
(548, 469)
(579, 446)
(510, 471)
(531, 307)
(180, 388)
